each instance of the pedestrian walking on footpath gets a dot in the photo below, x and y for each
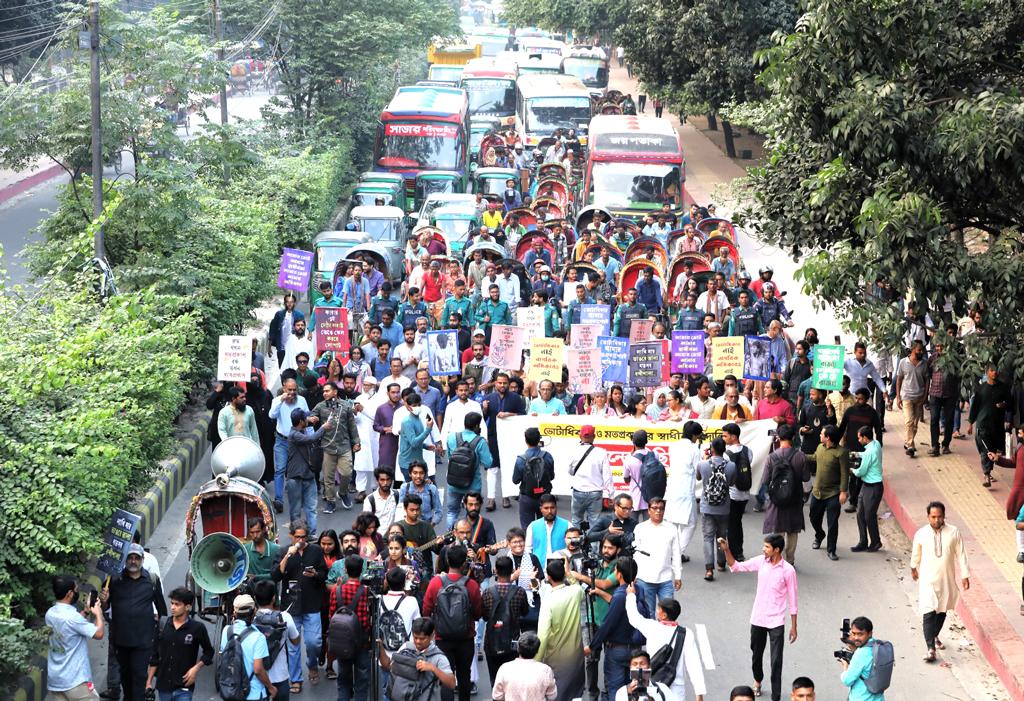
(937, 552)
(911, 393)
(988, 411)
(776, 593)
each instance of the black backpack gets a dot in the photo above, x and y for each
(232, 681)
(452, 615)
(345, 634)
(408, 683)
(462, 462)
(501, 629)
(533, 483)
(392, 626)
(716, 486)
(273, 627)
(744, 475)
(665, 661)
(784, 489)
(653, 478)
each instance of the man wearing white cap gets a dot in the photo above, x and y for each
(254, 647)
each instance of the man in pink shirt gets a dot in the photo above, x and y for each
(774, 406)
(776, 592)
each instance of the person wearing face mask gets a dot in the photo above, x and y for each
(68, 673)
(135, 600)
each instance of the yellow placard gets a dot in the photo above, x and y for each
(546, 359)
(727, 356)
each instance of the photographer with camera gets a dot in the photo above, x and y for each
(621, 523)
(867, 663)
(640, 687)
(615, 633)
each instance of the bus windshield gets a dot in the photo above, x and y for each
(491, 95)
(593, 72)
(424, 146)
(490, 46)
(635, 184)
(441, 72)
(549, 113)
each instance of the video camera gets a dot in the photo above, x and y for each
(846, 653)
(642, 677)
(373, 577)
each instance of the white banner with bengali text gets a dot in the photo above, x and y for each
(561, 438)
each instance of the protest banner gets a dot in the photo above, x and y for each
(757, 358)
(584, 335)
(584, 370)
(561, 436)
(688, 352)
(599, 314)
(640, 330)
(726, 356)
(506, 349)
(331, 329)
(666, 359)
(443, 352)
(645, 364)
(116, 540)
(234, 358)
(546, 359)
(828, 367)
(531, 320)
(295, 268)
(614, 360)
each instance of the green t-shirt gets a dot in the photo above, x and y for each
(260, 565)
(417, 534)
(607, 571)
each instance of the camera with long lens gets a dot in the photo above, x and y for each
(845, 653)
(373, 577)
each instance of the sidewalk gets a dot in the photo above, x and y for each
(991, 608)
(15, 182)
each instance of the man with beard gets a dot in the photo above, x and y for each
(860, 415)
(499, 404)
(136, 602)
(68, 673)
(338, 443)
(912, 393)
(383, 421)
(298, 342)
(364, 407)
(236, 419)
(988, 411)
(303, 572)
(457, 410)
(261, 551)
(281, 413)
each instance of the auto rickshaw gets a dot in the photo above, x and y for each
(329, 249)
(368, 194)
(372, 176)
(381, 235)
(492, 182)
(429, 182)
(458, 224)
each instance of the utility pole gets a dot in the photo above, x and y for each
(97, 136)
(219, 32)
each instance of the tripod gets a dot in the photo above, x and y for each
(373, 607)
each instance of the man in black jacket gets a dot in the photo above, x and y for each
(499, 404)
(136, 602)
(303, 572)
(620, 523)
(859, 415)
(175, 661)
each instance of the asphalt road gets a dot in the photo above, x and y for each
(876, 585)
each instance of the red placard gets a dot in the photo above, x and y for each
(444, 130)
(331, 329)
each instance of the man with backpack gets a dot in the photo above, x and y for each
(644, 473)
(241, 675)
(869, 672)
(175, 661)
(453, 602)
(784, 474)
(534, 472)
(717, 474)
(739, 492)
(468, 452)
(348, 634)
(504, 605)
(419, 669)
(398, 610)
(279, 629)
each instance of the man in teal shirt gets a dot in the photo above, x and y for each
(412, 434)
(329, 300)
(262, 552)
(546, 404)
(859, 667)
(870, 473)
(552, 324)
(493, 311)
(484, 460)
(458, 302)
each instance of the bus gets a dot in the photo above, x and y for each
(540, 45)
(423, 128)
(491, 87)
(545, 103)
(532, 64)
(589, 65)
(634, 165)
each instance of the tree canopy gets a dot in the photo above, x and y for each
(586, 18)
(897, 151)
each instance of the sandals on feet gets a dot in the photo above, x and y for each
(930, 656)
(757, 689)
(295, 689)
(314, 676)
(939, 645)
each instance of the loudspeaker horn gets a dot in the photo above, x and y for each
(238, 456)
(219, 563)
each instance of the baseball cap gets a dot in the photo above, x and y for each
(244, 603)
(136, 549)
(478, 332)
(587, 431)
(298, 415)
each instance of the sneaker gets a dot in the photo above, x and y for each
(329, 507)
(1020, 557)
(346, 501)
(278, 508)
(473, 690)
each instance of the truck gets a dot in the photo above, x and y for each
(446, 62)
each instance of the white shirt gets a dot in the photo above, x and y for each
(663, 693)
(278, 672)
(455, 417)
(386, 510)
(594, 474)
(702, 409)
(402, 381)
(404, 352)
(409, 610)
(658, 635)
(658, 556)
(509, 289)
(293, 347)
(716, 305)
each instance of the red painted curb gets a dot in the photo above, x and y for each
(15, 189)
(995, 637)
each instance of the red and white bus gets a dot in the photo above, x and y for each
(490, 84)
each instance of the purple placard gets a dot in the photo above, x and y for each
(295, 268)
(688, 352)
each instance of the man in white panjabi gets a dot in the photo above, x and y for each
(935, 555)
(680, 492)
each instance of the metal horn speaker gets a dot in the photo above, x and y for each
(219, 563)
(238, 456)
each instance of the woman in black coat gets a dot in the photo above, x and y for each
(259, 398)
(215, 401)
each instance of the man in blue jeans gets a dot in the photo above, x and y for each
(615, 634)
(591, 478)
(456, 495)
(281, 412)
(658, 556)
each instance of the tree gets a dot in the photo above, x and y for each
(898, 152)
(596, 19)
(702, 52)
(26, 30)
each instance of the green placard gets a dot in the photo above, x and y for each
(828, 367)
